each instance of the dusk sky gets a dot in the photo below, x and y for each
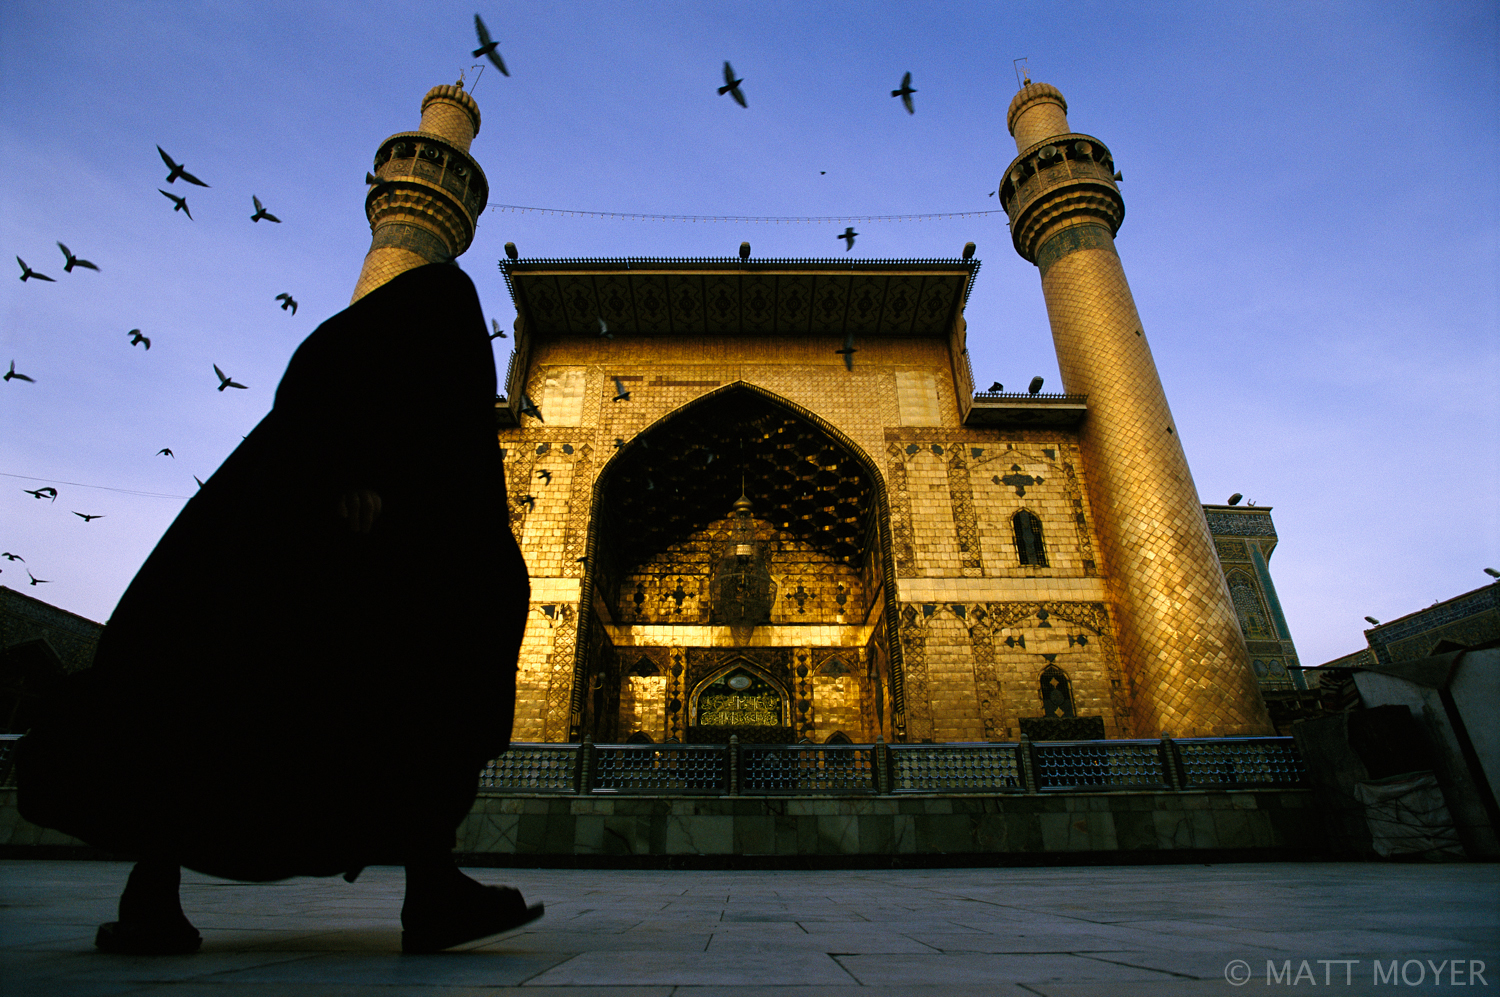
(1312, 231)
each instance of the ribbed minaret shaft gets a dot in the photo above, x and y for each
(428, 193)
(1179, 639)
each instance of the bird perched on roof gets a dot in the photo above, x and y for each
(619, 443)
(511, 252)
(905, 93)
(1035, 385)
(969, 248)
(13, 557)
(1492, 572)
(136, 339)
(621, 395)
(12, 374)
(46, 490)
(287, 301)
(545, 475)
(225, 381)
(732, 86)
(261, 212)
(27, 273)
(177, 170)
(1373, 620)
(1235, 498)
(997, 386)
(499, 333)
(167, 451)
(37, 581)
(848, 236)
(86, 517)
(848, 351)
(487, 47)
(74, 261)
(180, 202)
(528, 407)
(604, 332)
(744, 250)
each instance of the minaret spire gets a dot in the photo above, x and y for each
(1179, 638)
(428, 190)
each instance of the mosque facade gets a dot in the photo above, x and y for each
(762, 497)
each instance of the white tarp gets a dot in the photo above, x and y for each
(1407, 816)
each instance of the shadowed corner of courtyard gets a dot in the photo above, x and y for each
(1067, 932)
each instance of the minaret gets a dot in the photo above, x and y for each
(428, 193)
(1178, 636)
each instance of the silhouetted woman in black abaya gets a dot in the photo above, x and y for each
(308, 673)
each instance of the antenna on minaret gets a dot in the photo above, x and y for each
(464, 72)
(1023, 72)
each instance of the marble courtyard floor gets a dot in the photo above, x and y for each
(1068, 932)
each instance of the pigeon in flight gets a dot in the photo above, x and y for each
(37, 581)
(136, 339)
(997, 387)
(261, 212)
(732, 86)
(848, 237)
(528, 407)
(287, 301)
(13, 557)
(74, 261)
(177, 170)
(528, 501)
(621, 395)
(86, 517)
(46, 490)
(180, 202)
(167, 451)
(499, 333)
(224, 381)
(905, 93)
(487, 47)
(848, 351)
(545, 475)
(19, 377)
(604, 332)
(27, 273)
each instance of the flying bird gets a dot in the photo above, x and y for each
(13, 557)
(545, 475)
(224, 381)
(528, 407)
(604, 332)
(1235, 498)
(181, 203)
(19, 377)
(177, 170)
(848, 237)
(848, 351)
(74, 261)
(37, 581)
(905, 93)
(167, 451)
(136, 339)
(528, 501)
(1371, 619)
(732, 86)
(1035, 385)
(287, 301)
(261, 212)
(499, 333)
(46, 490)
(27, 273)
(487, 47)
(621, 395)
(86, 517)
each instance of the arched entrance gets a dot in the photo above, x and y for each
(807, 549)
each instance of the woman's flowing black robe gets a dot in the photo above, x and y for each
(276, 695)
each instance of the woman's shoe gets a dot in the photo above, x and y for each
(464, 915)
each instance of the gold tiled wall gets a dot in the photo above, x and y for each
(952, 493)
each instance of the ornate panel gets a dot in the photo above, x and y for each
(580, 303)
(652, 303)
(913, 637)
(936, 301)
(903, 546)
(721, 302)
(961, 490)
(866, 298)
(758, 303)
(830, 301)
(612, 292)
(900, 308)
(685, 299)
(794, 302)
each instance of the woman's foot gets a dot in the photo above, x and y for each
(151, 918)
(445, 908)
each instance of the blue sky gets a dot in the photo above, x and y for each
(1312, 229)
